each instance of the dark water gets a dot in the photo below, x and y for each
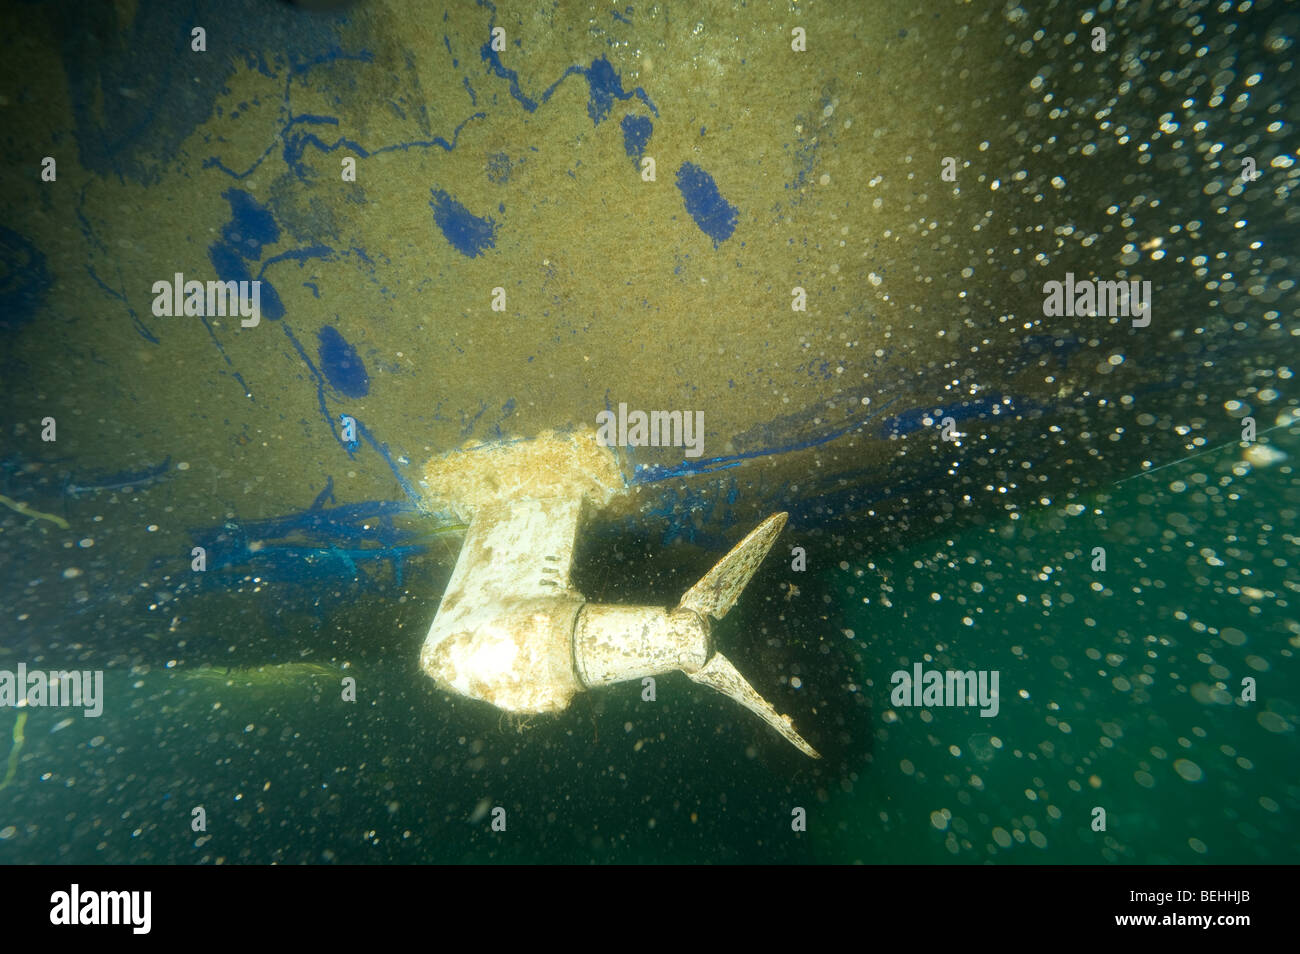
(1102, 536)
(1119, 689)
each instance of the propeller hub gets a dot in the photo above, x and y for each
(614, 643)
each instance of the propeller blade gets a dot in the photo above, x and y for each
(721, 675)
(718, 590)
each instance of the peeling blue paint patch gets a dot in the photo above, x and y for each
(251, 224)
(469, 234)
(250, 229)
(636, 135)
(230, 268)
(24, 280)
(227, 262)
(715, 216)
(272, 307)
(606, 86)
(343, 367)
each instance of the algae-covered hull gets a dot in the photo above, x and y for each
(832, 253)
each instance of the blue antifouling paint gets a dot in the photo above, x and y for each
(272, 308)
(715, 216)
(636, 134)
(342, 365)
(251, 224)
(231, 268)
(24, 280)
(605, 87)
(463, 229)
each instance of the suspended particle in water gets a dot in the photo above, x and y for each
(980, 745)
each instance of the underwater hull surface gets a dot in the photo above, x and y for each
(861, 336)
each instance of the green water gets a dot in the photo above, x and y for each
(1119, 690)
